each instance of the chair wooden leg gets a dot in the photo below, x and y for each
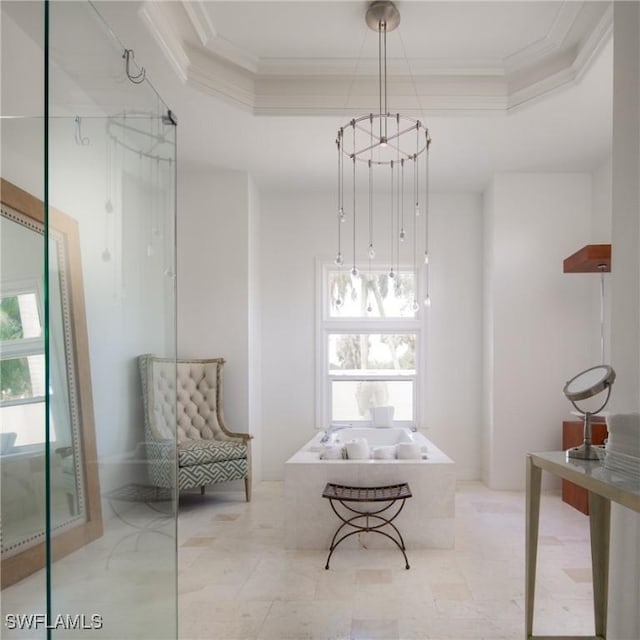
(247, 488)
(202, 490)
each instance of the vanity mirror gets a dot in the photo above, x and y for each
(583, 386)
(72, 474)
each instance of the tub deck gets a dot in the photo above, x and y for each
(427, 521)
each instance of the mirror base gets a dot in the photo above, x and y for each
(583, 452)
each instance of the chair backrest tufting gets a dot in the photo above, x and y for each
(182, 398)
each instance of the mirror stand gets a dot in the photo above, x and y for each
(586, 451)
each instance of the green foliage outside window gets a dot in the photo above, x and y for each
(10, 321)
(15, 378)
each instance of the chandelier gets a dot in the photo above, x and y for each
(392, 149)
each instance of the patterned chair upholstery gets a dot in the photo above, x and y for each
(184, 420)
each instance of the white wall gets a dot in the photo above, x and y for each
(601, 213)
(601, 234)
(218, 213)
(255, 330)
(454, 335)
(213, 278)
(301, 229)
(624, 575)
(488, 268)
(295, 228)
(540, 317)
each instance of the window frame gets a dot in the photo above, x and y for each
(326, 326)
(24, 347)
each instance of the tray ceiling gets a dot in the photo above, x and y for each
(320, 58)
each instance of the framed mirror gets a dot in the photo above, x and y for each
(74, 493)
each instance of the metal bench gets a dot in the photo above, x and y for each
(370, 518)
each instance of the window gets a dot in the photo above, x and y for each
(22, 388)
(370, 346)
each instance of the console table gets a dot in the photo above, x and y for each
(604, 486)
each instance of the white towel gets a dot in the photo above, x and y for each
(409, 451)
(357, 449)
(385, 453)
(332, 452)
(624, 433)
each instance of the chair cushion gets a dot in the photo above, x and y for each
(195, 452)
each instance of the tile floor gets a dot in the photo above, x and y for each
(236, 580)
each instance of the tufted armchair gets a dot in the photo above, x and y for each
(183, 419)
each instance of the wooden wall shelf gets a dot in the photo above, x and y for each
(589, 259)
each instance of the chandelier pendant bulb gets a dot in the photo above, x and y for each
(393, 140)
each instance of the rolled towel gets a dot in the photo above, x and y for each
(332, 452)
(357, 449)
(409, 451)
(385, 453)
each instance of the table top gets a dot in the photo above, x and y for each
(593, 476)
(366, 494)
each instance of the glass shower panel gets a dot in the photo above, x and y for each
(111, 273)
(23, 494)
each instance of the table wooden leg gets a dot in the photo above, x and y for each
(534, 476)
(599, 525)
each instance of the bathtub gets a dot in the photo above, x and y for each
(375, 436)
(427, 520)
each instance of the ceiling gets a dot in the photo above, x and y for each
(263, 86)
(301, 58)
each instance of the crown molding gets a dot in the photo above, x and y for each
(369, 66)
(211, 40)
(199, 18)
(595, 42)
(214, 76)
(566, 74)
(443, 105)
(154, 16)
(433, 95)
(565, 19)
(279, 86)
(550, 44)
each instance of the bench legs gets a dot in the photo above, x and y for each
(373, 522)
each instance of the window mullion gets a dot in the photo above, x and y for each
(21, 348)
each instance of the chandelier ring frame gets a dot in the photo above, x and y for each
(409, 125)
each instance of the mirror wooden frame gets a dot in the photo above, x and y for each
(24, 563)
